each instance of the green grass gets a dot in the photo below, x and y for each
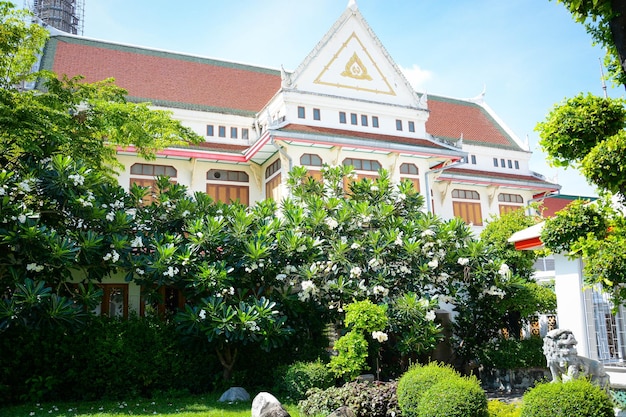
(189, 406)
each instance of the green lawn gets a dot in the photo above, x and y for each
(191, 406)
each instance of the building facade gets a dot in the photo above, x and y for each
(347, 103)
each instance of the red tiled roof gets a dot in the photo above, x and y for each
(551, 204)
(185, 81)
(160, 76)
(488, 177)
(449, 119)
(325, 131)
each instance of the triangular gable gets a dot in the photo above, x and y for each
(350, 61)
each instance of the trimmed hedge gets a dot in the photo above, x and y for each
(108, 358)
(577, 397)
(416, 381)
(454, 397)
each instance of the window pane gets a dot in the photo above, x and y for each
(244, 133)
(353, 118)
(502, 162)
(135, 169)
(364, 120)
(398, 124)
(170, 171)
(233, 133)
(316, 114)
(159, 170)
(375, 121)
(495, 162)
(516, 165)
(474, 159)
(222, 131)
(300, 112)
(411, 126)
(209, 130)
(510, 164)
(342, 117)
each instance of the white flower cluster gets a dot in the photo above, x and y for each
(25, 186)
(463, 261)
(331, 223)
(308, 290)
(34, 267)
(77, 179)
(323, 267)
(88, 201)
(253, 326)
(137, 242)
(504, 270)
(380, 336)
(110, 216)
(355, 272)
(113, 256)
(430, 315)
(493, 290)
(374, 264)
(380, 290)
(171, 271)
(254, 266)
(228, 291)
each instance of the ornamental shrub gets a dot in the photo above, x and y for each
(453, 397)
(577, 397)
(414, 383)
(366, 399)
(296, 379)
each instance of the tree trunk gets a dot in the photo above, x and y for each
(227, 357)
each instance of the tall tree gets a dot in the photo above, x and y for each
(61, 209)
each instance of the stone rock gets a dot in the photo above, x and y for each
(343, 411)
(234, 394)
(274, 410)
(263, 402)
(366, 378)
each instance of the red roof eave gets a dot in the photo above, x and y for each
(530, 243)
(494, 182)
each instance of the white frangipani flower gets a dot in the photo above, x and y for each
(331, 223)
(380, 336)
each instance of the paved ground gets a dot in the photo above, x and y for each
(506, 396)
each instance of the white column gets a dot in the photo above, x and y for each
(571, 306)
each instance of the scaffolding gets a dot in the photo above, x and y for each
(65, 15)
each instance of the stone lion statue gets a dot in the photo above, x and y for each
(559, 347)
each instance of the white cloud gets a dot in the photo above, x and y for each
(417, 76)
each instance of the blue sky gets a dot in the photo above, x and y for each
(528, 55)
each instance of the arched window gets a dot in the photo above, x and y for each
(469, 211)
(509, 202)
(145, 176)
(228, 186)
(410, 172)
